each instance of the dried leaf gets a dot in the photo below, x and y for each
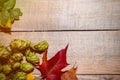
(69, 75)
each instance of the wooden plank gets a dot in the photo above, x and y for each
(95, 52)
(98, 77)
(68, 15)
(93, 77)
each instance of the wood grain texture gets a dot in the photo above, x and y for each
(92, 77)
(68, 15)
(94, 52)
(98, 77)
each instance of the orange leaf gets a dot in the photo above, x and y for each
(69, 75)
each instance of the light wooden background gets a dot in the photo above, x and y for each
(91, 27)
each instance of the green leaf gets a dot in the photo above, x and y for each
(9, 4)
(3, 0)
(2, 3)
(8, 14)
(4, 16)
(15, 13)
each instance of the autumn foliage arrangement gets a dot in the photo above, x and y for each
(14, 67)
(51, 69)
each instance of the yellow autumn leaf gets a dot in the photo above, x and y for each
(7, 25)
(30, 76)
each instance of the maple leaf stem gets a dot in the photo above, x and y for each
(45, 56)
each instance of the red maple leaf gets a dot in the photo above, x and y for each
(51, 69)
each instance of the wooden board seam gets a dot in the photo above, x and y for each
(58, 30)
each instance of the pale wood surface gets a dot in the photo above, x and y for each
(93, 77)
(95, 52)
(98, 77)
(68, 15)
